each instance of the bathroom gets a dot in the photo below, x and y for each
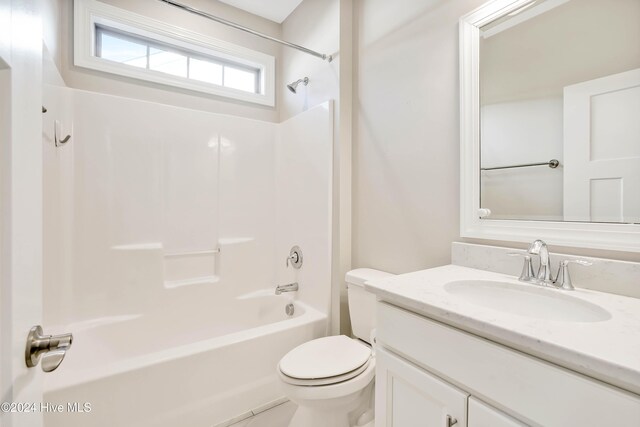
(308, 213)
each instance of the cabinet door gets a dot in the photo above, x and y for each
(483, 415)
(408, 396)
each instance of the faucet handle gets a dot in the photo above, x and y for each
(295, 257)
(563, 279)
(527, 268)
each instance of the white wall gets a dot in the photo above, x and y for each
(314, 24)
(406, 138)
(521, 132)
(406, 184)
(52, 28)
(96, 81)
(574, 42)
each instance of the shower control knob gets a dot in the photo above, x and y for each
(295, 257)
(50, 348)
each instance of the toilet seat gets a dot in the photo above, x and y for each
(324, 361)
(325, 381)
(331, 392)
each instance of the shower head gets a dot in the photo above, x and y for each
(293, 87)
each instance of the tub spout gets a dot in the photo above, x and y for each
(286, 288)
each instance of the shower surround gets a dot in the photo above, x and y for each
(166, 232)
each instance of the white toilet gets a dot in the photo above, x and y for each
(331, 378)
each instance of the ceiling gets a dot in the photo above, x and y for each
(275, 10)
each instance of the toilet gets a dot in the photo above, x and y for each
(331, 379)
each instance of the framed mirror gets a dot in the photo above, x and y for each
(550, 122)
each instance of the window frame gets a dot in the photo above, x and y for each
(89, 15)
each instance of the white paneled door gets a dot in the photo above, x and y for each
(602, 149)
(20, 208)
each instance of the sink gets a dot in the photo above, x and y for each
(526, 300)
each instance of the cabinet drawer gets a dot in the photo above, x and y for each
(532, 390)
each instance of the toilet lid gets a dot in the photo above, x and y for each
(325, 357)
(326, 381)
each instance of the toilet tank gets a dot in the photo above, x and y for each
(362, 304)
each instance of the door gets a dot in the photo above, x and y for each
(602, 149)
(483, 415)
(407, 396)
(20, 208)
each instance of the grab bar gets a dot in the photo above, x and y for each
(553, 163)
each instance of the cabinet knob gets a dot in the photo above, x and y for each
(450, 421)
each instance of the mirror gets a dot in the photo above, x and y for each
(550, 122)
(559, 111)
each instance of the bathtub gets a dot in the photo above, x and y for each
(188, 367)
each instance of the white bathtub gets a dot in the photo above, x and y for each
(189, 367)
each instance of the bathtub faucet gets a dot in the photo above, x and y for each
(286, 288)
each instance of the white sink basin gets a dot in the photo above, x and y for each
(527, 300)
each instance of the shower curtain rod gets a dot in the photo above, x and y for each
(248, 30)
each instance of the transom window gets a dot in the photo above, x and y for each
(117, 41)
(144, 53)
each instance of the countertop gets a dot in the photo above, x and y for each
(608, 350)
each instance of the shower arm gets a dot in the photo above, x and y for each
(323, 56)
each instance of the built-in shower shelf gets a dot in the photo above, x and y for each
(225, 241)
(191, 267)
(138, 247)
(207, 280)
(178, 268)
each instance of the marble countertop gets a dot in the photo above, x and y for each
(608, 350)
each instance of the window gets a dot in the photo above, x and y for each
(120, 42)
(144, 53)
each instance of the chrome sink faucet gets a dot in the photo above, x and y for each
(291, 287)
(543, 278)
(539, 248)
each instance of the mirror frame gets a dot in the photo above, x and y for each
(621, 237)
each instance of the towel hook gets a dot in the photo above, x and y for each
(55, 135)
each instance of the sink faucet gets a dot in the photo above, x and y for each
(562, 279)
(286, 288)
(539, 248)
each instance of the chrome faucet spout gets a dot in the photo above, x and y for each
(539, 248)
(291, 287)
(543, 278)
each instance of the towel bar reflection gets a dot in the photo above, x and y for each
(553, 163)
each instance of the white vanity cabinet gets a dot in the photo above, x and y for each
(427, 371)
(483, 415)
(410, 396)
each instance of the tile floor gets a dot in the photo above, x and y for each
(278, 416)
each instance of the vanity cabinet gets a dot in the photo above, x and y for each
(427, 371)
(483, 415)
(408, 393)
